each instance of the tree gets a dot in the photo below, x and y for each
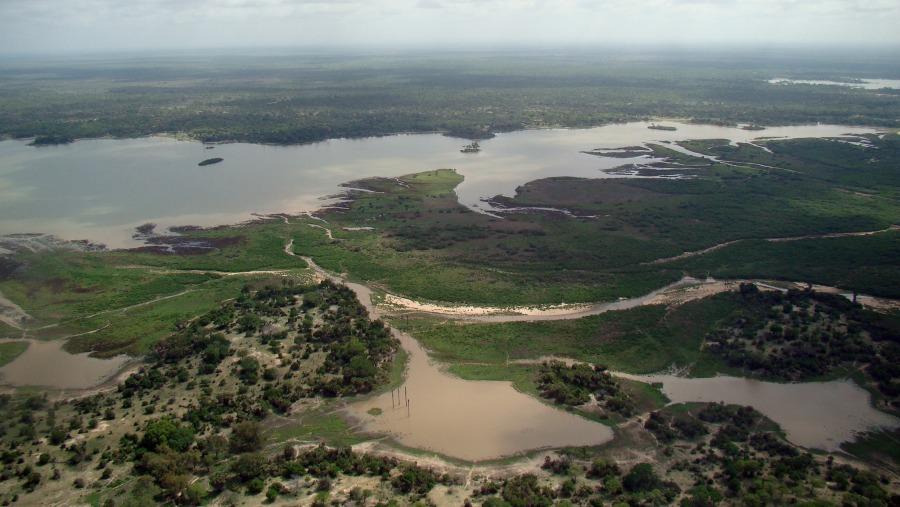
(250, 465)
(166, 432)
(214, 445)
(246, 437)
(641, 478)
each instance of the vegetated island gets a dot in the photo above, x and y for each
(211, 161)
(661, 127)
(51, 140)
(474, 147)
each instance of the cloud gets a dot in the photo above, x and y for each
(123, 24)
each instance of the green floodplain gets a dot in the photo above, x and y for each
(248, 359)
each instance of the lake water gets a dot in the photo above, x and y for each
(866, 84)
(45, 363)
(101, 190)
(818, 415)
(470, 420)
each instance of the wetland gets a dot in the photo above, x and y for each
(391, 320)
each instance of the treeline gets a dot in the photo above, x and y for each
(289, 102)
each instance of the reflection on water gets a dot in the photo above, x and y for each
(819, 415)
(46, 364)
(101, 189)
(470, 420)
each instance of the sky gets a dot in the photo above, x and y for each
(28, 26)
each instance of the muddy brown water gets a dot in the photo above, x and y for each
(817, 415)
(470, 420)
(478, 420)
(46, 364)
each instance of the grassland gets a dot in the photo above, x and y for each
(11, 350)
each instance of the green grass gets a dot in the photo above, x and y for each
(646, 395)
(515, 373)
(882, 447)
(9, 351)
(641, 340)
(9, 331)
(422, 234)
(867, 264)
(327, 427)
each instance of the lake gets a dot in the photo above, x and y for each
(805, 411)
(46, 364)
(470, 420)
(100, 190)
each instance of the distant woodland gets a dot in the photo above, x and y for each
(300, 97)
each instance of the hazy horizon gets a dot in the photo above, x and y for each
(89, 26)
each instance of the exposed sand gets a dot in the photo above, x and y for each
(12, 314)
(400, 303)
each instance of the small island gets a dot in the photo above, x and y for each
(471, 148)
(51, 140)
(211, 161)
(654, 126)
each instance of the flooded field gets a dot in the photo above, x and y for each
(470, 420)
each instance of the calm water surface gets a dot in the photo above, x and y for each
(102, 189)
(45, 363)
(819, 415)
(471, 420)
(866, 84)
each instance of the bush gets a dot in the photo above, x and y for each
(641, 478)
(255, 486)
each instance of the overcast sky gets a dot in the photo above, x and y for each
(89, 25)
